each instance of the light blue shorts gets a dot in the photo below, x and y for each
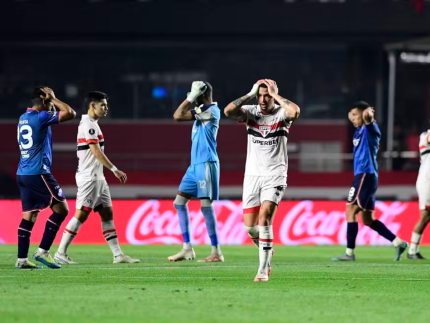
(202, 180)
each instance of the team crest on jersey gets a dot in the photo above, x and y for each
(92, 131)
(355, 142)
(264, 130)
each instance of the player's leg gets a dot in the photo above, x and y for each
(86, 198)
(366, 202)
(273, 189)
(70, 232)
(24, 234)
(351, 232)
(187, 189)
(413, 252)
(251, 207)
(423, 190)
(207, 175)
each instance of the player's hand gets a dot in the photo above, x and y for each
(121, 176)
(197, 89)
(49, 94)
(254, 90)
(368, 114)
(271, 87)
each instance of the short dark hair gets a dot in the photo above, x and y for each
(35, 95)
(263, 85)
(208, 92)
(360, 105)
(94, 96)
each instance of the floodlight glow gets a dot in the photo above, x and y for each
(415, 58)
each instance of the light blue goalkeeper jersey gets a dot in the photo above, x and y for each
(204, 134)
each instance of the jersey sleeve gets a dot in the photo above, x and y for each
(206, 113)
(47, 118)
(91, 133)
(373, 129)
(249, 111)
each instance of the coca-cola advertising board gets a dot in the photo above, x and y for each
(156, 222)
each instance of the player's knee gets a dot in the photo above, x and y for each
(180, 200)
(253, 232)
(206, 202)
(368, 221)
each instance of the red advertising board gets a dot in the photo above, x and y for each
(156, 222)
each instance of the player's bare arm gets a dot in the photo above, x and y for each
(102, 158)
(183, 112)
(369, 115)
(67, 113)
(233, 109)
(292, 109)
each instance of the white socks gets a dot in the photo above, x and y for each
(349, 252)
(109, 233)
(216, 249)
(265, 246)
(69, 233)
(415, 243)
(397, 242)
(254, 234)
(188, 246)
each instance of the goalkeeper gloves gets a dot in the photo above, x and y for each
(197, 89)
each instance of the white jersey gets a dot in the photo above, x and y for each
(267, 141)
(89, 169)
(424, 172)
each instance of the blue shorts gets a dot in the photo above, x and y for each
(37, 191)
(363, 191)
(202, 180)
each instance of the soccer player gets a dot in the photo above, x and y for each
(202, 177)
(93, 191)
(423, 189)
(265, 179)
(361, 197)
(38, 187)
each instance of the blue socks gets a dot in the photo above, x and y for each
(184, 221)
(351, 234)
(380, 227)
(51, 228)
(211, 224)
(24, 233)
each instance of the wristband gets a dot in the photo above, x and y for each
(113, 169)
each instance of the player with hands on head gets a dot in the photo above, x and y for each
(38, 187)
(93, 190)
(361, 197)
(268, 125)
(201, 179)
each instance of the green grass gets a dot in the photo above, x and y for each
(305, 286)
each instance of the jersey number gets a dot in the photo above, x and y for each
(27, 136)
(202, 184)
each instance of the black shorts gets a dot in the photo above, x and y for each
(37, 191)
(362, 191)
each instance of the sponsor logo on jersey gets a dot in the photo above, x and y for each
(92, 131)
(265, 142)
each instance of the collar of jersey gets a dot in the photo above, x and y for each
(89, 117)
(268, 114)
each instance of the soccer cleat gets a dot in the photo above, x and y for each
(46, 259)
(64, 259)
(416, 256)
(262, 276)
(184, 254)
(26, 265)
(214, 257)
(344, 257)
(123, 259)
(400, 250)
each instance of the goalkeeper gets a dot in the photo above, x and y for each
(201, 179)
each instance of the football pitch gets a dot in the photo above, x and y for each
(305, 286)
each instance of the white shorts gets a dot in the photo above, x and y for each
(423, 189)
(93, 195)
(257, 189)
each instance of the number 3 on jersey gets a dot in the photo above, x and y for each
(26, 136)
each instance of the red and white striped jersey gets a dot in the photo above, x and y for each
(89, 169)
(267, 141)
(424, 172)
